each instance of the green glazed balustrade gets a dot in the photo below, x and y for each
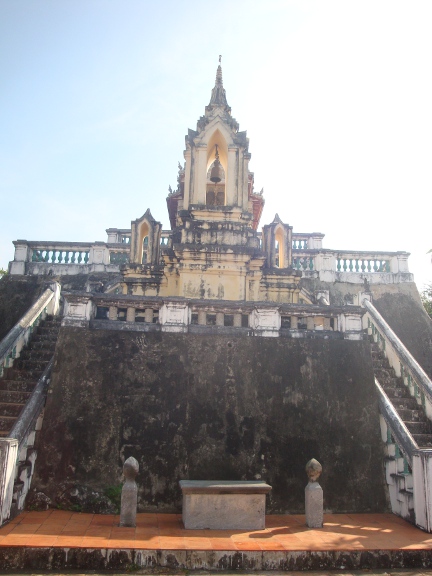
(119, 258)
(61, 256)
(299, 244)
(362, 265)
(303, 263)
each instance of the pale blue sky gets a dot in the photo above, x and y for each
(96, 97)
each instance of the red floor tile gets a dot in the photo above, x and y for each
(165, 531)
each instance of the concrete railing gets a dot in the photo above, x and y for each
(420, 387)
(311, 241)
(67, 258)
(122, 312)
(408, 468)
(17, 337)
(397, 426)
(13, 450)
(353, 266)
(124, 236)
(399, 357)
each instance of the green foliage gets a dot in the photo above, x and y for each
(426, 298)
(113, 493)
(133, 567)
(2, 272)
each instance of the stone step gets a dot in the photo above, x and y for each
(9, 409)
(14, 396)
(54, 326)
(17, 385)
(380, 361)
(15, 374)
(409, 496)
(45, 335)
(50, 319)
(17, 490)
(6, 423)
(418, 427)
(397, 392)
(31, 364)
(423, 440)
(405, 403)
(36, 354)
(42, 344)
(47, 331)
(400, 477)
(410, 415)
(384, 377)
(25, 471)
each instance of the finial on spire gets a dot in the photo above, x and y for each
(218, 96)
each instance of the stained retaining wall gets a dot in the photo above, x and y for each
(210, 407)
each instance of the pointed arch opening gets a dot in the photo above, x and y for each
(279, 248)
(215, 191)
(217, 154)
(143, 243)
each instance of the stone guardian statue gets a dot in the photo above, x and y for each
(129, 494)
(314, 495)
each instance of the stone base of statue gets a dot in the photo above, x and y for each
(314, 505)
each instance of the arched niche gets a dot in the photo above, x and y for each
(277, 241)
(218, 139)
(216, 192)
(145, 240)
(279, 247)
(143, 243)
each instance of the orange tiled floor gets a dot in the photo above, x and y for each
(165, 531)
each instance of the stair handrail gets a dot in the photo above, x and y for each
(11, 447)
(402, 435)
(27, 419)
(402, 352)
(18, 335)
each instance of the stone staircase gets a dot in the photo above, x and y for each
(407, 406)
(399, 475)
(18, 382)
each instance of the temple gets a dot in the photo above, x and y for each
(217, 348)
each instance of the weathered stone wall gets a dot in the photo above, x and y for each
(211, 407)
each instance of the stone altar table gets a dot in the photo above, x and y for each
(224, 504)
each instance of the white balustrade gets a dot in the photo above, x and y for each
(353, 267)
(307, 256)
(67, 258)
(118, 235)
(399, 357)
(420, 386)
(311, 241)
(10, 348)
